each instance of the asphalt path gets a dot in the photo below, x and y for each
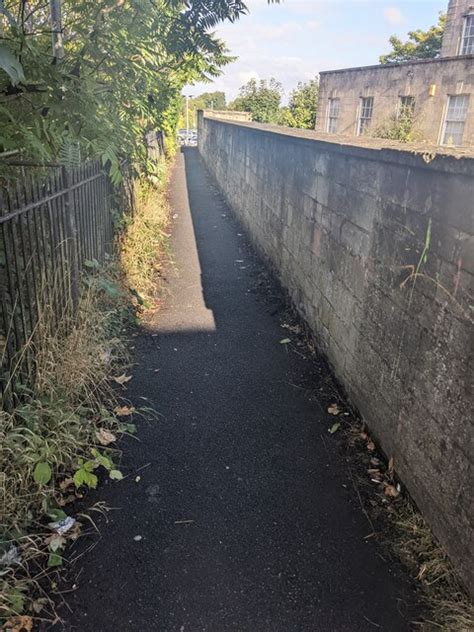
(237, 514)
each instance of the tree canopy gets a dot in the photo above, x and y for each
(420, 44)
(302, 106)
(261, 98)
(116, 70)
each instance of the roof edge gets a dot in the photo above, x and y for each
(416, 62)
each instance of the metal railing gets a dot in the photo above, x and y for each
(52, 221)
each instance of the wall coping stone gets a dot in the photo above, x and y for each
(419, 155)
(415, 62)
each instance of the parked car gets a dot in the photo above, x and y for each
(187, 137)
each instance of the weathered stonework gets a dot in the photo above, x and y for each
(346, 226)
(427, 83)
(457, 10)
(386, 84)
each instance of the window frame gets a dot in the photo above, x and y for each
(402, 107)
(459, 121)
(468, 17)
(332, 119)
(364, 121)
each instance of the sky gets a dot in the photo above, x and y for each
(294, 40)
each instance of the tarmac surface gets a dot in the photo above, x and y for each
(243, 518)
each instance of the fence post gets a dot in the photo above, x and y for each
(71, 239)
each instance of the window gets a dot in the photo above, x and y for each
(365, 114)
(333, 115)
(467, 40)
(406, 106)
(455, 119)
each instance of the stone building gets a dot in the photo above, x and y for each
(438, 93)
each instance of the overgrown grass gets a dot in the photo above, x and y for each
(402, 528)
(60, 428)
(145, 239)
(394, 519)
(450, 607)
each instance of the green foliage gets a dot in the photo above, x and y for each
(301, 110)
(420, 44)
(262, 99)
(122, 72)
(211, 100)
(398, 127)
(42, 473)
(205, 101)
(84, 474)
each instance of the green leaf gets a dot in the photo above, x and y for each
(83, 477)
(56, 514)
(54, 559)
(131, 428)
(16, 600)
(285, 341)
(91, 263)
(10, 64)
(335, 427)
(109, 288)
(116, 475)
(42, 473)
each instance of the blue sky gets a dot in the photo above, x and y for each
(293, 41)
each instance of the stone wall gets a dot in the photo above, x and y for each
(375, 248)
(457, 9)
(229, 115)
(387, 83)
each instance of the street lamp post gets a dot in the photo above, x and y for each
(188, 96)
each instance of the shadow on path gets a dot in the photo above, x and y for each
(246, 519)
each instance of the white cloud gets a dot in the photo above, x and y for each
(393, 16)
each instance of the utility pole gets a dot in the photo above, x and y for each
(188, 96)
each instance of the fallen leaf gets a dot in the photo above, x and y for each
(56, 542)
(371, 446)
(390, 491)
(122, 379)
(334, 428)
(105, 437)
(285, 341)
(391, 465)
(123, 411)
(39, 604)
(22, 623)
(374, 472)
(334, 409)
(67, 482)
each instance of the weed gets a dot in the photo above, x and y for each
(63, 413)
(144, 241)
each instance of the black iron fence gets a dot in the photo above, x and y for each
(52, 221)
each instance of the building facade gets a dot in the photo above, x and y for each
(437, 93)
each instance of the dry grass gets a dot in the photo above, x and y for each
(402, 528)
(145, 240)
(450, 607)
(67, 399)
(61, 403)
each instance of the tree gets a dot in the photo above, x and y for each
(420, 44)
(210, 101)
(261, 98)
(119, 72)
(301, 110)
